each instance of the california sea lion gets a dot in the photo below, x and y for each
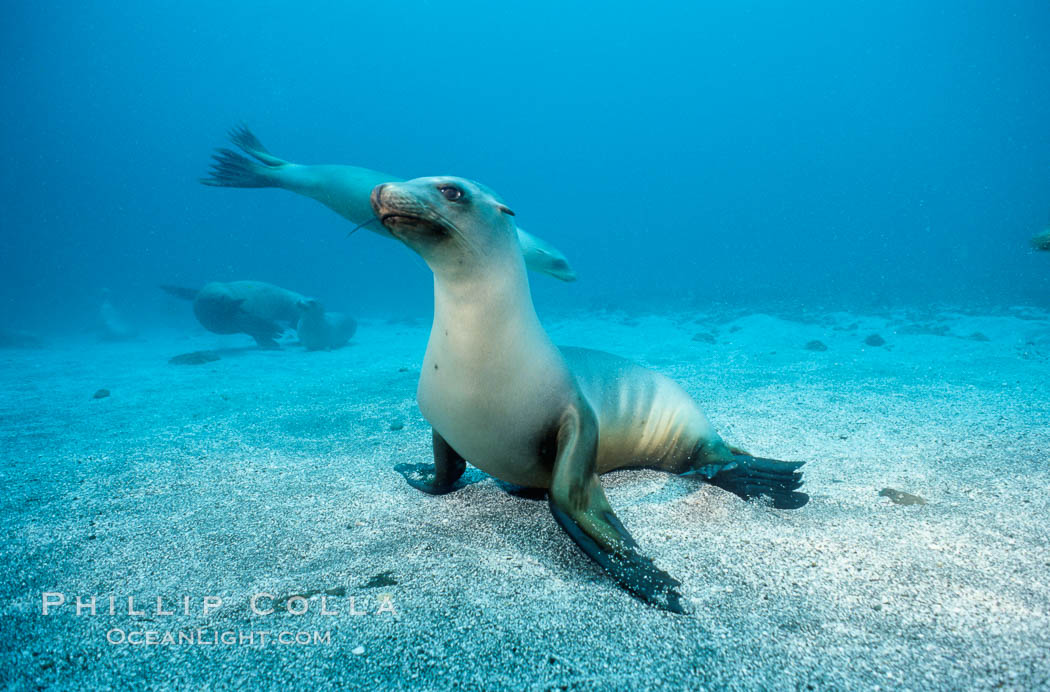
(1042, 240)
(500, 394)
(18, 338)
(260, 310)
(319, 330)
(343, 189)
(111, 324)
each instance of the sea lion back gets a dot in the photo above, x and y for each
(644, 418)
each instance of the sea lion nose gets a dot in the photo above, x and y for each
(377, 197)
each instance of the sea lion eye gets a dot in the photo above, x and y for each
(451, 192)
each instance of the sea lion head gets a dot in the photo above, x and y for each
(454, 224)
(310, 306)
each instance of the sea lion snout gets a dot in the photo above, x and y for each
(376, 197)
(389, 199)
(406, 214)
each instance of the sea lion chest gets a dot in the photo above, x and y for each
(496, 400)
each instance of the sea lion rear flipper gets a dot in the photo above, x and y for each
(267, 343)
(441, 478)
(750, 477)
(230, 169)
(247, 142)
(579, 505)
(264, 331)
(180, 292)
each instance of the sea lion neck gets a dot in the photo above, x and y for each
(487, 297)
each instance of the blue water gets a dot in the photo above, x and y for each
(812, 153)
(703, 160)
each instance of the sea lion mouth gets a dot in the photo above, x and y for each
(405, 216)
(401, 223)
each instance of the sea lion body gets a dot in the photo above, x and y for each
(19, 338)
(258, 309)
(345, 190)
(644, 418)
(500, 394)
(254, 300)
(319, 330)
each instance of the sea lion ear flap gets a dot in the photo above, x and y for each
(505, 209)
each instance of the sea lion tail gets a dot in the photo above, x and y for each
(750, 477)
(230, 169)
(180, 292)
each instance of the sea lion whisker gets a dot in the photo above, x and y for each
(359, 226)
(470, 242)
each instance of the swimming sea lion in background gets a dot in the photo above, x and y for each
(260, 310)
(501, 395)
(323, 331)
(343, 189)
(111, 325)
(18, 338)
(1042, 240)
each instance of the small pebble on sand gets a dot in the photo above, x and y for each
(816, 346)
(875, 340)
(101, 394)
(195, 358)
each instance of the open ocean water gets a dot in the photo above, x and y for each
(828, 222)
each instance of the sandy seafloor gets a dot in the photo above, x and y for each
(272, 472)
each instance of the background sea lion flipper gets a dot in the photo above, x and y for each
(441, 478)
(579, 505)
(541, 256)
(230, 169)
(246, 140)
(180, 292)
(264, 331)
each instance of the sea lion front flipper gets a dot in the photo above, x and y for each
(441, 478)
(522, 492)
(264, 331)
(579, 505)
